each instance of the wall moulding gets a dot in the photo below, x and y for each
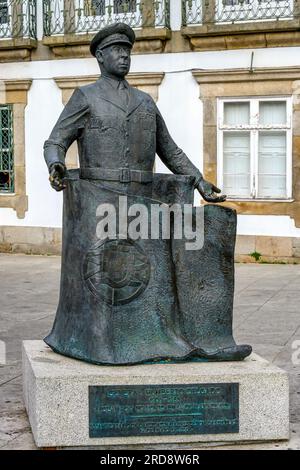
(235, 83)
(14, 92)
(148, 82)
(215, 36)
(47, 240)
(17, 49)
(148, 41)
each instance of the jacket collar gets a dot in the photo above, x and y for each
(108, 93)
(114, 82)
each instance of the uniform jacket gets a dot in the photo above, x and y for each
(111, 135)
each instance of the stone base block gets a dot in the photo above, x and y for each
(64, 399)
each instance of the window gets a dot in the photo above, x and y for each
(91, 7)
(254, 148)
(3, 11)
(6, 150)
(98, 7)
(124, 6)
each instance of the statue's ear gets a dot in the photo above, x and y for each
(99, 55)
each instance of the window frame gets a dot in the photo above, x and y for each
(254, 128)
(15, 93)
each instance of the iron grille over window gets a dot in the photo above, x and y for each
(79, 16)
(18, 19)
(236, 11)
(6, 150)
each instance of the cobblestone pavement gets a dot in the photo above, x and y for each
(267, 304)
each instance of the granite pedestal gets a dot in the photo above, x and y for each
(72, 403)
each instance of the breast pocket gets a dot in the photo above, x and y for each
(147, 121)
(106, 133)
(104, 123)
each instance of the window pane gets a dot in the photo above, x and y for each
(124, 6)
(6, 150)
(236, 164)
(3, 12)
(236, 114)
(272, 164)
(272, 112)
(98, 7)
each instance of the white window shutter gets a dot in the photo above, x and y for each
(236, 114)
(272, 164)
(272, 113)
(236, 166)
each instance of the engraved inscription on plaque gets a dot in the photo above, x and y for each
(148, 410)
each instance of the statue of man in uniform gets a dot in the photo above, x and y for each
(119, 130)
(130, 129)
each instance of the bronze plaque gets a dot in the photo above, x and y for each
(151, 410)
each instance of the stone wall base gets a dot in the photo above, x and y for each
(249, 248)
(30, 240)
(266, 249)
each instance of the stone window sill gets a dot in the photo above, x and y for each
(257, 200)
(16, 49)
(218, 36)
(15, 201)
(148, 40)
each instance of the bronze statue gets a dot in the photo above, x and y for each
(130, 301)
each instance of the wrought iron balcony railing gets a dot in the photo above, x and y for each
(17, 19)
(87, 16)
(196, 12)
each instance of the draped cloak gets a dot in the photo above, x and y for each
(132, 301)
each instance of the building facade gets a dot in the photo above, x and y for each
(225, 75)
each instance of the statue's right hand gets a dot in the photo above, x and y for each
(57, 173)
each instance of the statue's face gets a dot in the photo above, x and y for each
(115, 59)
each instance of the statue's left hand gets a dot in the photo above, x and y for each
(210, 192)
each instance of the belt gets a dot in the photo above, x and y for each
(123, 175)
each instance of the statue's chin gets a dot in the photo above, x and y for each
(122, 71)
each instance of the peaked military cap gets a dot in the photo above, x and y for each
(113, 34)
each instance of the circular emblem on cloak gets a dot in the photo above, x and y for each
(116, 271)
